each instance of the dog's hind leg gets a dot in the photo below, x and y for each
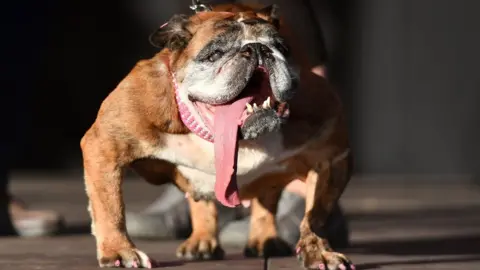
(203, 242)
(263, 239)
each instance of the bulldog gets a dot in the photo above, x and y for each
(221, 112)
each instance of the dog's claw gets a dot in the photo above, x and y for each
(128, 258)
(200, 248)
(313, 255)
(330, 266)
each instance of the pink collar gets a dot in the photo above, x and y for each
(187, 117)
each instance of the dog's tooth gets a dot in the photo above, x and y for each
(249, 108)
(266, 104)
(255, 107)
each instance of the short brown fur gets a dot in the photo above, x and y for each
(135, 117)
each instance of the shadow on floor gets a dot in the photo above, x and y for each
(459, 245)
(463, 259)
(462, 248)
(453, 212)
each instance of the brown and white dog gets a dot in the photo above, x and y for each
(220, 112)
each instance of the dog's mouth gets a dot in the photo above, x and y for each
(253, 112)
(256, 98)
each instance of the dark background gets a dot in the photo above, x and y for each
(407, 71)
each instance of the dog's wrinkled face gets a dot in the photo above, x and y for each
(233, 59)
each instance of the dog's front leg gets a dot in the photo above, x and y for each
(203, 242)
(324, 185)
(103, 179)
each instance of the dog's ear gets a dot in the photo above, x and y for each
(173, 34)
(270, 13)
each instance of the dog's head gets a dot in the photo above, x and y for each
(229, 66)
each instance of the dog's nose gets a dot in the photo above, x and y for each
(265, 50)
(248, 50)
(255, 48)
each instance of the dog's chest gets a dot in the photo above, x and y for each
(195, 158)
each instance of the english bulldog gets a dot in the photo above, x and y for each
(222, 112)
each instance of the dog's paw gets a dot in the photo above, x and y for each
(271, 247)
(200, 247)
(127, 258)
(313, 254)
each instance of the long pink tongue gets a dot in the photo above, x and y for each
(226, 129)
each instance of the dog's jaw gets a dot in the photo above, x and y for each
(198, 117)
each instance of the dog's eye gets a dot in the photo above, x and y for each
(214, 56)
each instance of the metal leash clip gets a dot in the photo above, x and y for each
(198, 6)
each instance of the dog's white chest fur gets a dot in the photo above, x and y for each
(195, 158)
